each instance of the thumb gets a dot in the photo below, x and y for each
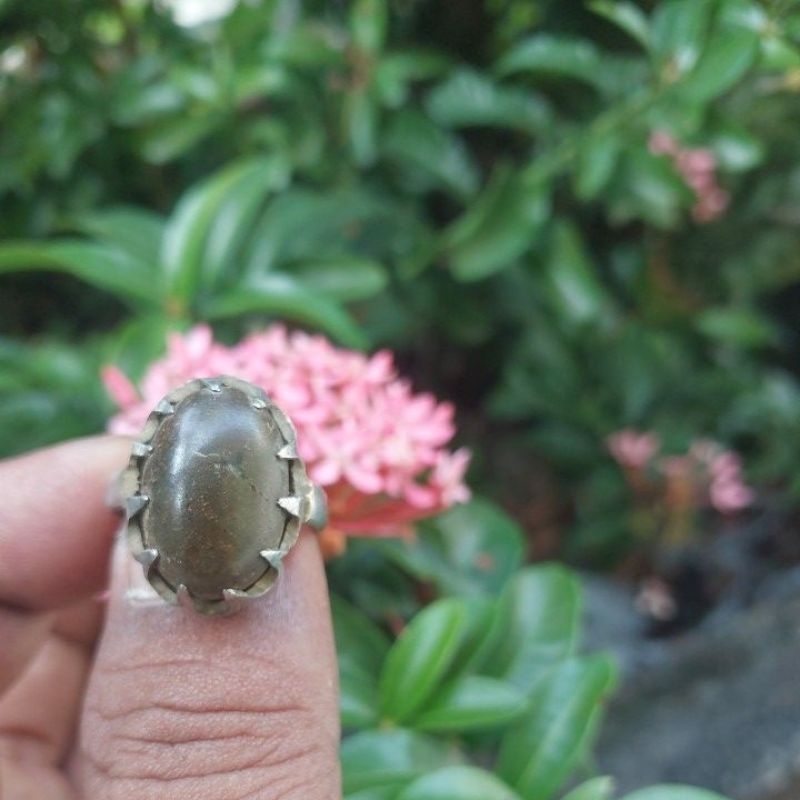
(188, 707)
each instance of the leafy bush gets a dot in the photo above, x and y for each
(484, 694)
(572, 218)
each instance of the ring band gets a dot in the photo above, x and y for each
(216, 494)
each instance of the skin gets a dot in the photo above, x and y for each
(136, 698)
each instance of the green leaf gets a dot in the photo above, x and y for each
(358, 695)
(471, 549)
(673, 792)
(725, 60)
(343, 278)
(468, 99)
(300, 224)
(172, 137)
(679, 31)
(376, 793)
(438, 156)
(458, 783)
(740, 327)
(186, 233)
(285, 297)
(472, 702)
(420, 657)
(369, 22)
(563, 56)
(538, 753)
(626, 16)
(497, 228)
(736, 149)
(577, 294)
(594, 789)
(360, 121)
(537, 620)
(597, 160)
(357, 636)
(389, 758)
(99, 265)
(235, 216)
(135, 231)
(396, 71)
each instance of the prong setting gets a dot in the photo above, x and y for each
(152, 537)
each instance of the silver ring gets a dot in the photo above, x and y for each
(216, 494)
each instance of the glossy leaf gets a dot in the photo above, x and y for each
(440, 158)
(186, 233)
(473, 702)
(574, 287)
(678, 32)
(389, 758)
(673, 792)
(360, 121)
(597, 160)
(497, 228)
(725, 60)
(172, 137)
(104, 267)
(458, 783)
(303, 225)
(369, 21)
(358, 695)
(736, 149)
(537, 621)
(626, 16)
(343, 278)
(357, 636)
(135, 231)
(594, 789)
(468, 99)
(539, 752)
(420, 658)
(396, 71)
(554, 55)
(280, 295)
(233, 222)
(376, 793)
(471, 549)
(740, 327)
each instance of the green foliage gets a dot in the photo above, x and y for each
(483, 693)
(476, 191)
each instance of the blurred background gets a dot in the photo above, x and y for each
(577, 221)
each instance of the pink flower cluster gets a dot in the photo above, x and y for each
(697, 166)
(706, 474)
(376, 447)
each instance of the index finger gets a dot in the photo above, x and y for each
(56, 530)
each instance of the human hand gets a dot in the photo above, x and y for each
(126, 700)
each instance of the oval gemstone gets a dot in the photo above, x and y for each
(213, 479)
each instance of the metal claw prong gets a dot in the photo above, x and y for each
(291, 505)
(147, 558)
(317, 507)
(259, 403)
(164, 408)
(214, 386)
(288, 452)
(274, 558)
(184, 598)
(140, 449)
(135, 503)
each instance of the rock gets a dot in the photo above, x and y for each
(718, 707)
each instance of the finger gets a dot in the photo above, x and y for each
(38, 714)
(191, 706)
(55, 529)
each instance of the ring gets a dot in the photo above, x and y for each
(215, 494)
